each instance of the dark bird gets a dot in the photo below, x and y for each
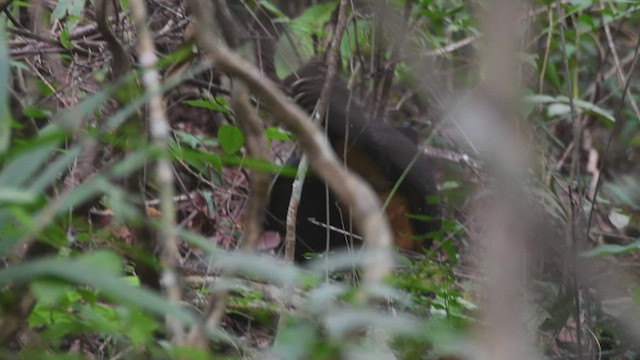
(377, 152)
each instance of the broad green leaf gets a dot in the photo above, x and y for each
(197, 158)
(65, 39)
(71, 8)
(48, 291)
(231, 139)
(557, 109)
(275, 133)
(181, 54)
(296, 340)
(594, 109)
(125, 5)
(104, 261)
(61, 9)
(140, 327)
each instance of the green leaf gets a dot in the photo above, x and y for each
(231, 139)
(104, 261)
(560, 106)
(125, 5)
(209, 104)
(275, 133)
(194, 141)
(295, 341)
(557, 109)
(272, 8)
(611, 249)
(65, 39)
(313, 19)
(61, 9)
(177, 56)
(634, 142)
(141, 327)
(36, 113)
(73, 8)
(50, 291)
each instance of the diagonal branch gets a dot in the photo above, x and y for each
(350, 190)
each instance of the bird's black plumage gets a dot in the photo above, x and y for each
(376, 151)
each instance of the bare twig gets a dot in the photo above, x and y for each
(618, 68)
(121, 62)
(160, 134)
(256, 148)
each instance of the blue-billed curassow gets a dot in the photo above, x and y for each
(378, 153)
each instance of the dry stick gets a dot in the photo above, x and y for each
(121, 62)
(349, 189)
(618, 67)
(146, 234)
(319, 112)
(256, 149)
(160, 133)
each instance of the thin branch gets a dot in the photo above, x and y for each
(160, 134)
(257, 149)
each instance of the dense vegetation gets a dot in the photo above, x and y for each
(127, 175)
